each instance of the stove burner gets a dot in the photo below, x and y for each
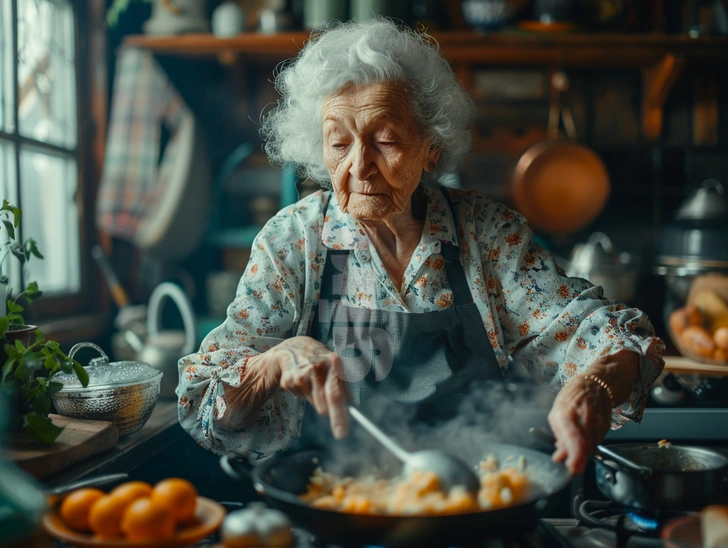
(644, 523)
(624, 522)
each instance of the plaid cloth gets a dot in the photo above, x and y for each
(133, 177)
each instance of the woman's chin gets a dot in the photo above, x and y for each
(369, 208)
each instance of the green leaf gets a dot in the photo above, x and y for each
(80, 373)
(52, 345)
(31, 247)
(19, 346)
(11, 352)
(4, 324)
(16, 320)
(8, 369)
(22, 372)
(41, 428)
(16, 248)
(54, 386)
(66, 366)
(42, 404)
(14, 307)
(9, 227)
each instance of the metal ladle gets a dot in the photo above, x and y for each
(450, 470)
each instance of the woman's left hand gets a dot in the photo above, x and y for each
(579, 419)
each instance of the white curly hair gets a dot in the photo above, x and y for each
(363, 53)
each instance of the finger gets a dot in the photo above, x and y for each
(571, 441)
(336, 398)
(559, 455)
(297, 382)
(318, 390)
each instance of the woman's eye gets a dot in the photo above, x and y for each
(338, 146)
(386, 143)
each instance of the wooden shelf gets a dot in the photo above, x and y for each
(507, 48)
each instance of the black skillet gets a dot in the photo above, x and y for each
(280, 479)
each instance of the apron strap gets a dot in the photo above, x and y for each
(327, 277)
(453, 266)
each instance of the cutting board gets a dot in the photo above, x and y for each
(80, 439)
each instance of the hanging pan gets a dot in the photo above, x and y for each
(559, 185)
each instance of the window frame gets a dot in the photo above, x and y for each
(91, 85)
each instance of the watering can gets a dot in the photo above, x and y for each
(162, 349)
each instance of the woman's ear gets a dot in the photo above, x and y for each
(431, 158)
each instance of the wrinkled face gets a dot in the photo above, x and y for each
(373, 149)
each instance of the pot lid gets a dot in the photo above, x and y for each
(707, 202)
(102, 373)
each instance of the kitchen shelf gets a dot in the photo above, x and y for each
(660, 57)
(585, 50)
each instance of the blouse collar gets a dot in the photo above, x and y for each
(342, 231)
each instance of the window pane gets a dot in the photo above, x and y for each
(7, 120)
(47, 71)
(50, 216)
(10, 267)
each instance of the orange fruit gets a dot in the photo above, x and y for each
(132, 490)
(105, 516)
(146, 519)
(179, 495)
(75, 507)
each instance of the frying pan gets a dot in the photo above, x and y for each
(559, 185)
(280, 479)
(682, 477)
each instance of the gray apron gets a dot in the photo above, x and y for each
(425, 361)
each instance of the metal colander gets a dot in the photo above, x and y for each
(124, 393)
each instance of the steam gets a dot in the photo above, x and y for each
(487, 414)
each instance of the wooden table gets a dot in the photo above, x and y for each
(161, 430)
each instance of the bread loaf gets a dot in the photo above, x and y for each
(714, 526)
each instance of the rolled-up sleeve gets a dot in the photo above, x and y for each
(558, 326)
(271, 304)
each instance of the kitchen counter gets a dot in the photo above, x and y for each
(160, 431)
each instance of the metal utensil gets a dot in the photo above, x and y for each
(450, 470)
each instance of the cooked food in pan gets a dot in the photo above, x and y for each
(419, 493)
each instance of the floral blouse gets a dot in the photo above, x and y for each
(555, 325)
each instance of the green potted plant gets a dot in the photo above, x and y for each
(29, 361)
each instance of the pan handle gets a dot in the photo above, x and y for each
(603, 454)
(241, 471)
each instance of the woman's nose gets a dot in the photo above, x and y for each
(362, 165)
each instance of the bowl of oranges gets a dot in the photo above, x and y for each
(135, 513)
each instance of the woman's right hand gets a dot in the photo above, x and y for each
(310, 370)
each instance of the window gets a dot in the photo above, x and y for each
(40, 163)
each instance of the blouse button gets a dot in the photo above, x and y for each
(365, 256)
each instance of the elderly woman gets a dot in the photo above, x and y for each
(386, 284)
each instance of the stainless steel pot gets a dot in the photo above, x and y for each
(681, 477)
(695, 241)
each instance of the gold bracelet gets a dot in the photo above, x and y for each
(604, 385)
